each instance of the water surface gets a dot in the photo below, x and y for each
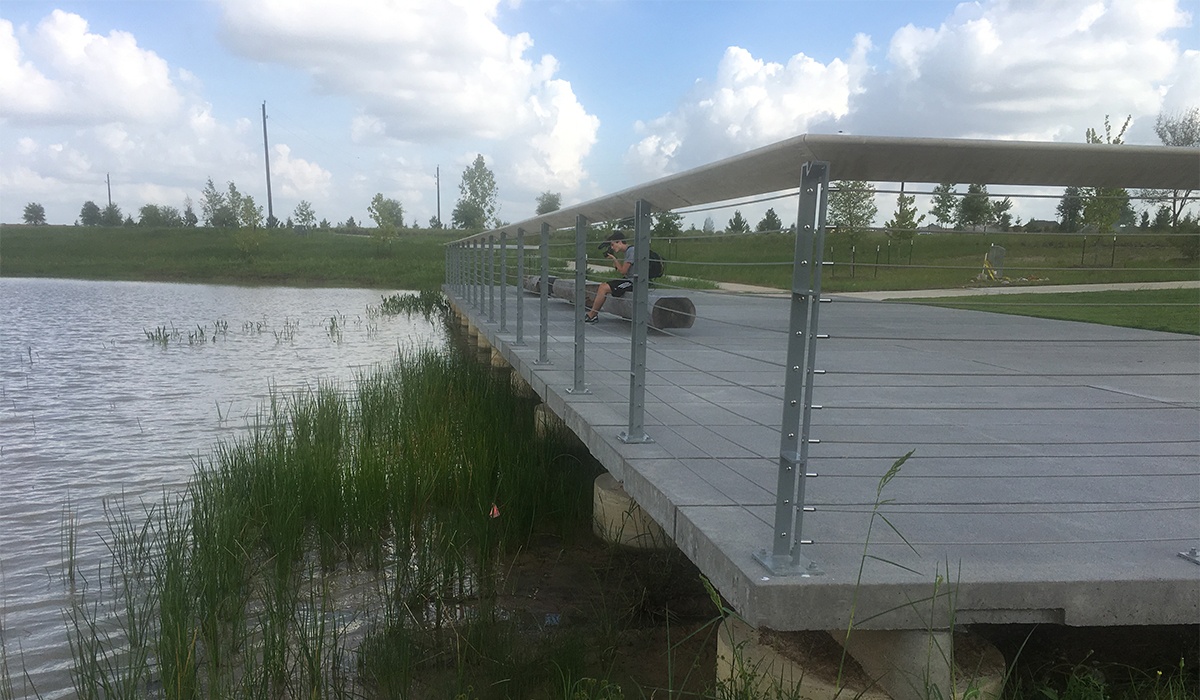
(94, 412)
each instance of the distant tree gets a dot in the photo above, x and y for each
(904, 222)
(212, 205)
(851, 207)
(89, 214)
(666, 225)
(250, 214)
(111, 216)
(189, 214)
(1144, 223)
(1180, 130)
(1070, 210)
(324, 224)
(386, 212)
(129, 222)
(709, 225)
(1002, 213)
(233, 198)
(1162, 218)
(155, 216)
(434, 223)
(350, 224)
(737, 224)
(272, 222)
(944, 204)
(548, 202)
(974, 208)
(1104, 207)
(468, 215)
(476, 206)
(35, 214)
(304, 214)
(769, 222)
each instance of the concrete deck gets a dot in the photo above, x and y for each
(1055, 475)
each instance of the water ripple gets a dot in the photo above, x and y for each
(91, 411)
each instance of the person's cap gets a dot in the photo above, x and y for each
(616, 236)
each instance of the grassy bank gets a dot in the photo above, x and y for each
(1171, 310)
(412, 260)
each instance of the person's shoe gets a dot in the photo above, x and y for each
(588, 318)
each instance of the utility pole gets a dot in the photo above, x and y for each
(437, 179)
(267, 157)
(108, 181)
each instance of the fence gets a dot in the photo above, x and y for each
(488, 273)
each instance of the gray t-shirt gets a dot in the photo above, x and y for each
(629, 258)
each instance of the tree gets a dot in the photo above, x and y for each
(1070, 210)
(769, 223)
(1181, 130)
(737, 224)
(548, 202)
(189, 214)
(155, 216)
(249, 214)
(304, 215)
(975, 208)
(1002, 213)
(434, 223)
(852, 207)
(666, 225)
(709, 225)
(234, 200)
(945, 203)
(387, 213)
(35, 214)
(468, 215)
(476, 206)
(212, 204)
(89, 214)
(904, 222)
(111, 216)
(1103, 207)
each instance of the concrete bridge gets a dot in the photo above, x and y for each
(1054, 474)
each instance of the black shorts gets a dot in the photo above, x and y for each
(618, 287)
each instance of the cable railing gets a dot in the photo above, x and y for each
(920, 393)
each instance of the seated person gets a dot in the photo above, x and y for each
(623, 265)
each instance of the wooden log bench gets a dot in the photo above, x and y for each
(666, 311)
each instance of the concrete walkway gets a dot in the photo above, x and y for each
(1055, 474)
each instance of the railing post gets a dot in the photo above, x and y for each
(520, 339)
(544, 313)
(503, 281)
(580, 302)
(491, 277)
(784, 557)
(637, 342)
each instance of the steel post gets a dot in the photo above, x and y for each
(491, 277)
(503, 281)
(637, 337)
(784, 557)
(544, 313)
(580, 302)
(520, 339)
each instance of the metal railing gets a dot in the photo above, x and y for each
(476, 277)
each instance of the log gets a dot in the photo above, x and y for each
(666, 311)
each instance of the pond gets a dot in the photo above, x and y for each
(111, 391)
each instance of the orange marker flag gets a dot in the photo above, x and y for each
(495, 513)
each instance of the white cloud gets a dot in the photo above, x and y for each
(297, 178)
(438, 70)
(750, 103)
(1020, 69)
(59, 72)
(1023, 69)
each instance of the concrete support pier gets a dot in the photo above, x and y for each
(876, 665)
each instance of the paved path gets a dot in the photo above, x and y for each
(1055, 476)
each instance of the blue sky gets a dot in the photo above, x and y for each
(581, 97)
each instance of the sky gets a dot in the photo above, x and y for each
(579, 97)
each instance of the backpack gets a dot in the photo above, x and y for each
(656, 265)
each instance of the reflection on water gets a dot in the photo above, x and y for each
(92, 409)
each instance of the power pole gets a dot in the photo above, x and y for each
(108, 181)
(437, 179)
(267, 157)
